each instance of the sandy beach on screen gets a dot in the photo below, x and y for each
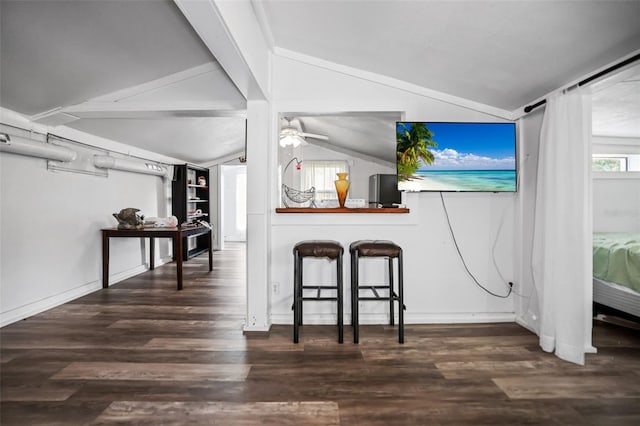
(419, 183)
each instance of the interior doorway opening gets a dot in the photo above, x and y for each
(616, 195)
(233, 209)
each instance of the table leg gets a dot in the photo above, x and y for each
(105, 260)
(210, 252)
(152, 253)
(177, 239)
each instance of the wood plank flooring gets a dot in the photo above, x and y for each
(141, 352)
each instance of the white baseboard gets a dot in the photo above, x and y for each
(520, 321)
(460, 317)
(254, 328)
(50, 302)
(409, 318)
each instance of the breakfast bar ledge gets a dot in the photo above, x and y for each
(341, 210)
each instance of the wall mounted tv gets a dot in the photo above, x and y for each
(456, 156)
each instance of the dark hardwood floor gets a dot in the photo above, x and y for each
(141, 352)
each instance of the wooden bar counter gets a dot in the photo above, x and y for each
(384, 210)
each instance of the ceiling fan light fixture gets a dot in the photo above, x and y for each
(286, 140)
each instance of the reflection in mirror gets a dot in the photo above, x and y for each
(313, 148)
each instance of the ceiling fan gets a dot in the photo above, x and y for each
(291, 133)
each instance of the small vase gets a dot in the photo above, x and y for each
(342, 188)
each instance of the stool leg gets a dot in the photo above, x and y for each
(340, 303)
(354, 290)
(296, 297)
(391, 313)
(400, 300)
(300, 288)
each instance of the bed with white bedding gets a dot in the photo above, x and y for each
(616, 274)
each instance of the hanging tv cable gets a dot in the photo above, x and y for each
(464, 263)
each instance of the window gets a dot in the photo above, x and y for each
(321, 175)
(609, 164)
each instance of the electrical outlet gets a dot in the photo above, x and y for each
(275, 288)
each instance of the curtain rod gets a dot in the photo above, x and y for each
(587, 80)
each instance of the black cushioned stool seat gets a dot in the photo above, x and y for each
(377, 248)
(331, 250)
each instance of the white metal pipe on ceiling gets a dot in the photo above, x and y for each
(136, 166)
(23, 146)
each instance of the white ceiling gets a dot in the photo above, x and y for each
(60, 53)
(370, 136)
(500, 53)
(136, 72)
(616, 108)
(132, 71)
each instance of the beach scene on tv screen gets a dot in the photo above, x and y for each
(456, 156)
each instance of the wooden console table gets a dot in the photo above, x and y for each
(176, 234)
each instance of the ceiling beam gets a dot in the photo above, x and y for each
(160, 83)
(122, 103)
(155, 109)
(232, 33)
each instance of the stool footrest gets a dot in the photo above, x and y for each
(319, 289)
(377, 296)
(381, 299)
(316, 287)
(334, 299)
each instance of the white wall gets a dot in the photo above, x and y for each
(616, 196)
(529, 141)
(437, 287)
(50, 232)
(616, 204)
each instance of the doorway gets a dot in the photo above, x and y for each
(233, 209)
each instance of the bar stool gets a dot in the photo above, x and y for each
(332, 250)
(377, 248)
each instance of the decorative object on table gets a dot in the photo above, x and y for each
(189, 225)
(350, 203)
(129, 219)
(161, 222)
(203, 223)
(292, 195)
(202, 181)
(342, 188)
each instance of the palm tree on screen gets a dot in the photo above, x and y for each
(413, 141)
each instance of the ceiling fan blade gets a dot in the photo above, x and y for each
(313, 135)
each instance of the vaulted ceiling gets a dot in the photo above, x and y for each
(131, 71)
(136, 71)
(499, 53)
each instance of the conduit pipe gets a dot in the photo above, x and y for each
(146, 167)
(23, 146)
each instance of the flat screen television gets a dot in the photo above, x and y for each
(456, 156)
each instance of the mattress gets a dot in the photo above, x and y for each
(616, 258)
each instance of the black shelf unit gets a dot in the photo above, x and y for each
(190, 202)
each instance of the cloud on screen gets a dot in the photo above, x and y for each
(450, 159)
